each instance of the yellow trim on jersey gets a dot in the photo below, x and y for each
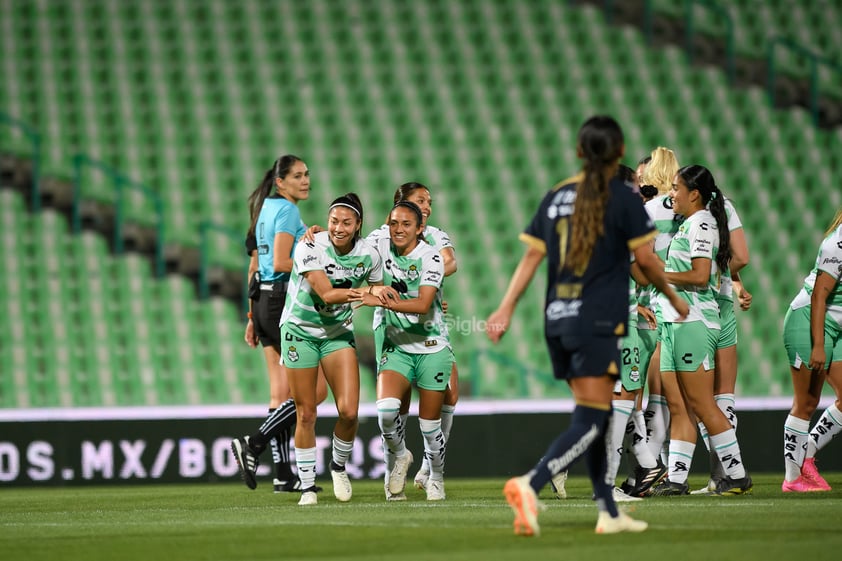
(575, 179)
(593, 405)
(639, 241)
(533, 242)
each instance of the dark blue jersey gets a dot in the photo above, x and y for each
(593, 302)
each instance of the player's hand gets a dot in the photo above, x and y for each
(497, 324)
(648, 315)
(744, 298)
(817, 358)
(310, 234)
(251, 336)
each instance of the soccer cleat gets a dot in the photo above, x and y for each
(646, 478)
(811, 473)
(524, 502)
(709, 489)
(605, 524)
(246, 461)
(422, 476)
(800, 485)
(393, 497)
(667, 488)
(308, 497)
(435, 490)
(397, 479)
(557, 483)
(621, 497)
(626, 487)
(728, 486)
(341, 484)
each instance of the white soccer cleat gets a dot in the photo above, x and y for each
(435, 490)
(557, 483)
(397, 479)
(621, 496)
(341, 485)
(422, 476)
(622, 523)
(308, 498)
(393, 498)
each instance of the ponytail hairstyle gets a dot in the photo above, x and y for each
(279, 169)
(837, 220)
(600, 144)
(660, 170)
(263, 190)
(700, 178)
(352, 201)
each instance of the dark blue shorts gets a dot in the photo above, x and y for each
(579, 356)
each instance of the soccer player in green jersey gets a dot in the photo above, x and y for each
(416, 347)
(316, 329)
(697, 254)
(419, 194)
(813, 341)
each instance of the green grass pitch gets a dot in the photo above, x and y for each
(228, 522)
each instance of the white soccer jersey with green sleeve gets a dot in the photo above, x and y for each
(308, 314)
(414, 333)
(666, 222)
(829, 261)
(436, 237)
(726, 286)
(697, 237)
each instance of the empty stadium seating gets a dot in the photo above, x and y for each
(480, 99)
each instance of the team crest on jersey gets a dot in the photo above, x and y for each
(359, 270)
(292, 354)
(634, 375)
(412, 273)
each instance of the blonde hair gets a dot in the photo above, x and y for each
(661, 170)
(837, 220)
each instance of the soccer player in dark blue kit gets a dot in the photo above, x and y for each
(586, 226)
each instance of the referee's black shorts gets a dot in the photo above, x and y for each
(266, 312)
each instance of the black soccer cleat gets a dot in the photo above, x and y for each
(246, 460)
(669, 489)
(646, 478)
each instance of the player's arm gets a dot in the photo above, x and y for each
(449, 258)
(282, 252)
(822, 290)
(699, 275)
(739, 251)
(498, 322)
(653, 269)
(320, 283)
(418, 305)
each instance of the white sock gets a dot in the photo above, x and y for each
(305, 459)
(341, 450)
(388, 417)
(621, 411)
(642, 453)
(725, 402)
(434, 446)
(795, 446)
(680, 458)
(828, 426)
(728, 450)
(447, 420)
(656, 427)
(446, 425)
